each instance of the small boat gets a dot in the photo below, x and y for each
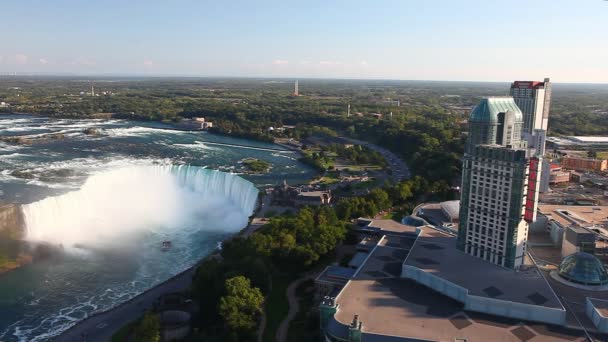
(165, 246)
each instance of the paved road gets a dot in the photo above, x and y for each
(398, 167)
(100, 327)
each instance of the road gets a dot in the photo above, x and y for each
(398, 167)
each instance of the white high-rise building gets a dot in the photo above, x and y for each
(499, 184)
(534, 100)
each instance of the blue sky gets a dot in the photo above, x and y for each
(403, 39)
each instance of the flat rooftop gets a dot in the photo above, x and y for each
(337, 275)
(390, 226)
(439, 256)
(390, 306)
(583, 215)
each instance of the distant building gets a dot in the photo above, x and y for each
(584, 164)
(296, 90)
(312, 198)
(500, 184)
(4, 104)
(300, 196)
(534, 100)
(196, 123)
(577, 143)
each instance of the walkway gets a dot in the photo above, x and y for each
(294, 307)
(101, 326)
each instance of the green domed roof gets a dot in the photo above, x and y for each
(583, 268)
(489, 107)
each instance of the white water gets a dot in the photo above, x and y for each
(114, 206)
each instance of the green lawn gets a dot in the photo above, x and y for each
(602, 155)
(276, 306)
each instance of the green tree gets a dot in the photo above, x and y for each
(148, 329)
(592, 154)
(241, 305)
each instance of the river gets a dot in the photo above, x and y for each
(109, 199)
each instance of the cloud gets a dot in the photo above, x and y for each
(363, 63)
(43, 61)
(329, 63)
(280, 62)
(21, 58)
(148, 63)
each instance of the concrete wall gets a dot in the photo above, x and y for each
(438, 284)
(600, 322)
(540, 225)
(483, 304)
(516, 310)
(556, 232)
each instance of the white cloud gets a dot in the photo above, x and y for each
(43, 61)
(280, 62)
(363, 63)
(21, 58)
(148, 63)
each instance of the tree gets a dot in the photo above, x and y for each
(592, 154)
(240, 306)
(148, 329)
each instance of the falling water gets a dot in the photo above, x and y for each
(120, 203)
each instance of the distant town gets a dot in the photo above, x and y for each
(434, 214)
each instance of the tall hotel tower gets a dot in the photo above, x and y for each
(498, 170)
(534, 100)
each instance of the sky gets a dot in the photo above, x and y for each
(470, 40)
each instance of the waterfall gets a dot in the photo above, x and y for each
(115, 205)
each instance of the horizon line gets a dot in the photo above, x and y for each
(5, 74)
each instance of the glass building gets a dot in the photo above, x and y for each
(583, 268)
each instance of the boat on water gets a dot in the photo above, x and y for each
(165, 246)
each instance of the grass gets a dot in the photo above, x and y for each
(276, 306)
(602, 155)
(257, 165)
(395, 215)
(122, 335)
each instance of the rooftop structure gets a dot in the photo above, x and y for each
(451, 209)
(583, 268)
(579, 215)
(416, 286)
(496, 120)
(578, 143)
